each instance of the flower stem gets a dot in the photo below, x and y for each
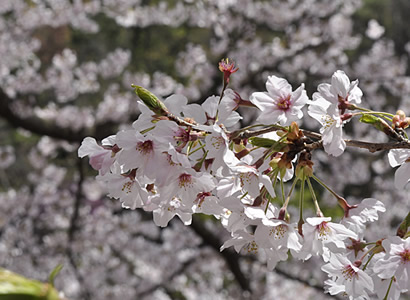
(302, 196)
(326, 187)
(388, 290)
(290, 193)
(380, 113)
(370, 258)
(282, 187)
(312, 192)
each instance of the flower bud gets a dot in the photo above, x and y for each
(304, 168)
(379, 124)
(151, 101)
(227, 67)
(401, 114)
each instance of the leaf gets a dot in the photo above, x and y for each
(54, 273)
(267, 143)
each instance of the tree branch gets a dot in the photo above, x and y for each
(372, 147)
(231, 258)
(39, 126)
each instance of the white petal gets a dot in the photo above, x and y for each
(402, 176)
(398, 156)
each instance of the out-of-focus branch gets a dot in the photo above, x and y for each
(74, 226)
(178, 271)
(39, 126)
(231, 257)
(77, 201)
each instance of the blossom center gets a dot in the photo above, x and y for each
(185, 181)
(217, 142)
(126, 187)
(145, 147)
(252, 247)
(278, 232)
(323, 230)
(284, 103)
(246, 178)
(200, 198)
(328, 121)
(348, 273)
(405, 256)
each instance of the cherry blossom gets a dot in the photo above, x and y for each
(396, 262)
(280, 104)
(366, 211)
(322, 236)
(347, 277)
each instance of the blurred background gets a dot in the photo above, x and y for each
(66, 69)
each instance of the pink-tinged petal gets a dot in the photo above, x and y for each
(355, 93)
(269, 116)
(89, 146)
(176, 103)
(278, 87)
(196, 112)
(317, 220)
(299, 97)
(265, 180)
(340, 84)
(210, 106)
(398, 156)
(331, 269)
(386, 269)
(333, 288)
(402, 176)
(108, 141)
(293, 241)
(232, 119)
(275, 256)
(96, 161)
(186, 218)
(127, 138)
(342, 232)
(162, 217)
(262, 100)
(324, 92)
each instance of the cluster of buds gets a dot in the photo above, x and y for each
(400, 120)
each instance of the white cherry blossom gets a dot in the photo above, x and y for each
(396, 262)
(280, 103)
(320, 237)
(347, 277)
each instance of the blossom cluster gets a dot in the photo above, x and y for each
(179, 159)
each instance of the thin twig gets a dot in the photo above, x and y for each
(372, 147)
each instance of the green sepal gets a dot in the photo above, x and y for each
(403, 231)
(372, 120)
(151, 101)
(379, 124)
(267, 143)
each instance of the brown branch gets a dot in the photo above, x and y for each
(372, 147)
